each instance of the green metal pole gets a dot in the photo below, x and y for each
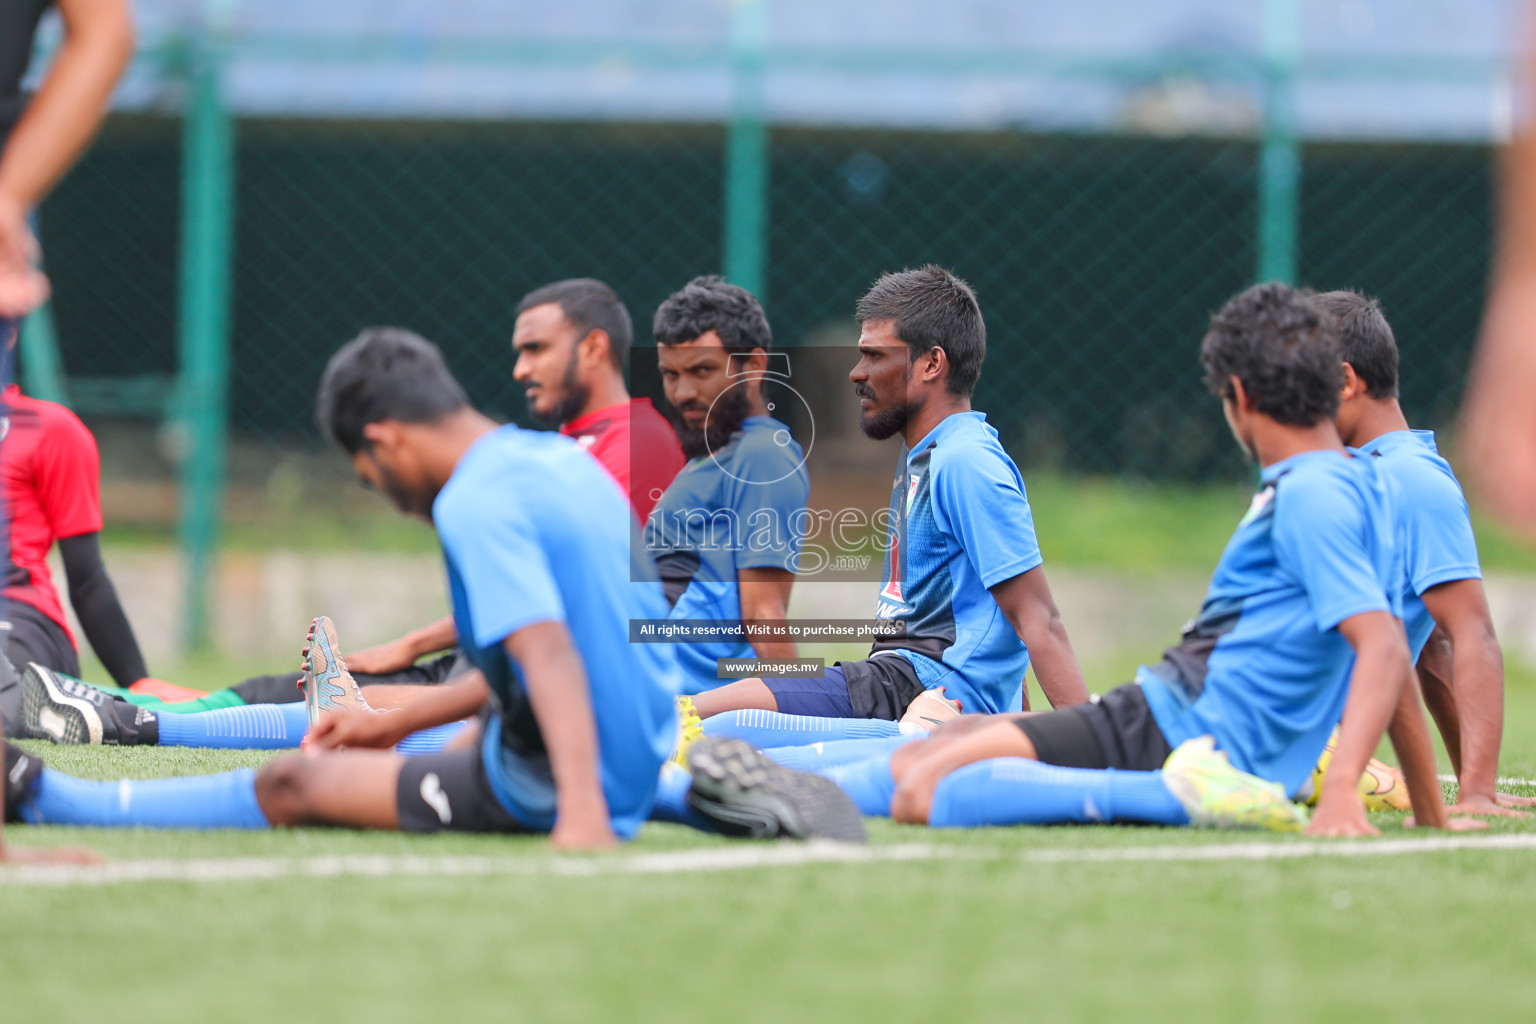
(43, 370)
(746, 153)
(208, 171)
(1279, 155)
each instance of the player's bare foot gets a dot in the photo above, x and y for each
(1482, 805)
(1452, 824)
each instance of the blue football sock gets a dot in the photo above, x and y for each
(430, 741)
(764, 729)
(1018, 791)
(256, 727)
(817, 757)
(227, 800)
(868, 783)
(672, 800)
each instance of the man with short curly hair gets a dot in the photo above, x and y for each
(963, 570)
(1299, 630)
(725, 535)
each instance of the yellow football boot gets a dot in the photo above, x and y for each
(1381, 786)
(689, 728)
(1217, 795)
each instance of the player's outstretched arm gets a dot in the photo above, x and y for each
(1027, 602)
(1410, 739)
(400, 654)
(556, 681)
(1434, 671)
(100, 612)
(1381, 670)
(62, 117)
(1475, 715)
(361, 728)
(1409, 732)
(765, 598)
(59, 121)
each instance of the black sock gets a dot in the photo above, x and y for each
(22, 771)
(136, 726)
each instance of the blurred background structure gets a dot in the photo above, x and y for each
(278, 175)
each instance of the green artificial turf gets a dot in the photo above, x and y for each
(985, 934)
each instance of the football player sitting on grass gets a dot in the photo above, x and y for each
(1299, 633)
(572, 340)
(963, 570)
(544, 570)
(52, 497)
(1445, 612)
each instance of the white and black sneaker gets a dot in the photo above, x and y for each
(65, 710)
(744, 793)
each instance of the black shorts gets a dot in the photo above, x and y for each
(879, 687)
(449, 791)
(32, 636)
(1116, 730)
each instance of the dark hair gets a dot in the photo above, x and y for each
(1284, 348)
(711, 303)
(385, 373)
(590, 305)
(931, 308)
(1366, 340)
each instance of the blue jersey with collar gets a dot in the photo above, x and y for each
(534, 530)
(1434, 525)
(1263, 668)
(741, 507)
(960, 524)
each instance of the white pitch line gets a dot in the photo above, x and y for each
(1297, 849)
(1505, 780)
(743, 857)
